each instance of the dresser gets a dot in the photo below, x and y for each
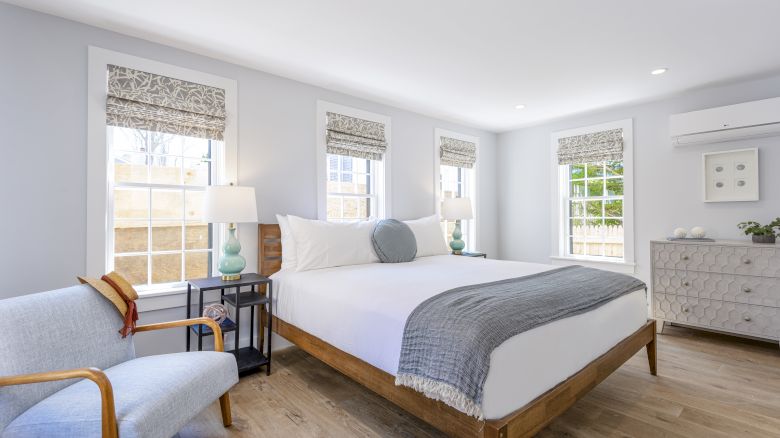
(728, 286)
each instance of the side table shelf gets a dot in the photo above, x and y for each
(249, 358)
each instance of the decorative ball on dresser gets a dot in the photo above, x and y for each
(698, 232)
(680, 233)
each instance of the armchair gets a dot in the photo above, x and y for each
(74, 331)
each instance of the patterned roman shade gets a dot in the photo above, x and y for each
(141, 100)
(355, 137)
(591, 148)
(457, 153)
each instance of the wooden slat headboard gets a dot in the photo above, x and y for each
(269, 245)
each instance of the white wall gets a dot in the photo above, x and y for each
(43, 78)
(668, 187)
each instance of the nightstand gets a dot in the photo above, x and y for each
(248, 358)
(473, 254)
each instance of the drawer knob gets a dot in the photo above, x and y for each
(746, 318)
(747, 290)
(747, 261)
(686, 284)
(685, 257)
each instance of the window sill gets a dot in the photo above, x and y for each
(607, 265)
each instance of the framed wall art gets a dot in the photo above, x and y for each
(731, 175)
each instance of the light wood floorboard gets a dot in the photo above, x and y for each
(708, 385)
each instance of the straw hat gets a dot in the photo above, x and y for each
(107, 290)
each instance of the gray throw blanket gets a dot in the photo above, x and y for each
(448, 338)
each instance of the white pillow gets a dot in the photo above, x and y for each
(321, 244)
(289, 252)
(429, 235)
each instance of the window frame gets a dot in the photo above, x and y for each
(559, 195)
(99, 245)
(381, 168)
(469, 184)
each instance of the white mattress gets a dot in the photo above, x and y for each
(362, 310)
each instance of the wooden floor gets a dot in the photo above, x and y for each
(708, 385)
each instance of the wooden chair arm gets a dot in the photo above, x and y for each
(93, 374)
(218, 343)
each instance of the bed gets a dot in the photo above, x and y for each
(328, 314)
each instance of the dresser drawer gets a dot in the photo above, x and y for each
(742, 318)
(726, 259)
(762, 291)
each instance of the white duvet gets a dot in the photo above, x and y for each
(362, 310)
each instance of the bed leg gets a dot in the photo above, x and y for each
(651, 352)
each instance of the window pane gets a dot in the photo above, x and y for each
(159, 142)
(167, 204)
(197, 236)
(195, 147)
(196, 171)
(131, 236)
(576, 246)
(595, 170)
(334, 207)
(577, 189)
(613, 237)
(615, 187)
(613, 208)
(577, 171)
(133, 268)
(595, 249)
(347, 183)
(193, 205)
(614, 168)
(130, 167)
(166, 236)
(593, 208)
(351, 208)
(131, 203)
(576, 209)
(196, 265)
(165, 169)
(595, 187)
(361, 166)
(577, 228)
(166, 268)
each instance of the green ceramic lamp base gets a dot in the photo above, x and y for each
(457, 245)
(231, 263)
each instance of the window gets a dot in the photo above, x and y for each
(353, 150)
(594, 202)
(593, 174)
(455, 182)
(455, 158)
(158, 135)
(157, 188)
(351, 194)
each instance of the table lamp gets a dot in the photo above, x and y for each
(457, 209)
(230, 204)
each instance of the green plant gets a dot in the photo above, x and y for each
(756, 229)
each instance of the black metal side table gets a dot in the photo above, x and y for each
(249, 358)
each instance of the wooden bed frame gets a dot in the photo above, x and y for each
(524, 422)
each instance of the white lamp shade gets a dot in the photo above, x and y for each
(456, 209)
(230, 204)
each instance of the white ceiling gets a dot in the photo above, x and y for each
(466, 61)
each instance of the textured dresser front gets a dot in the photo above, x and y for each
(731, 287)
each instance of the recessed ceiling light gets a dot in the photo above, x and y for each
(659, 71)
(520, 106)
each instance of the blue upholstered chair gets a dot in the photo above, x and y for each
(66, 372)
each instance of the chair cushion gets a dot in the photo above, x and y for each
(155, 396)
(394, 241)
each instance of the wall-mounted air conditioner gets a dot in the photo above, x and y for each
(733, 122)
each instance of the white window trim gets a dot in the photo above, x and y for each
(98, 165)
(382, 177)
(438, 133)
(558, 179)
